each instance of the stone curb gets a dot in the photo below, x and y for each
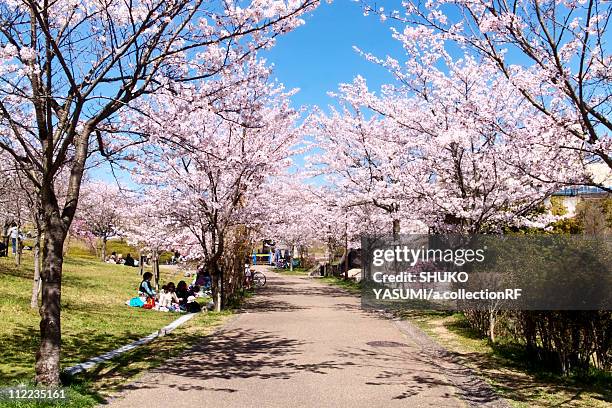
(92, 362)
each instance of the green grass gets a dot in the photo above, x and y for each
(294, 272)
(95, 319)
(121, 247)
(112, 375)
(349, 285)
(509, 371)
(79, 249)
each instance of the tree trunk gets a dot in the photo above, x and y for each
(5, 237)
(396, 240)
(219, 294)
(66, 245)
(346, 252)
(153, 265)
(330, 258)
(301, 249)
(291, 259)
(48, 356)
(36, 282)
(156, 270)
(157, 285)
(140, 262)
(18, 253)
(396, 229)
(492, 325)
(222, 289)
(103, 251)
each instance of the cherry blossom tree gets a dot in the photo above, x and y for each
(20, 204)
(148, 228)
(7, 187)
(15, 197)
(555, 54)
(298, 211)
(359, 157)
(101, 213)
(288, 210)
(213, 145)
(506, 112)
(69, 67)
(459, 152)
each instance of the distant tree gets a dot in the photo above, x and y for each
(101, 213)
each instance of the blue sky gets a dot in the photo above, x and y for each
(319, 55)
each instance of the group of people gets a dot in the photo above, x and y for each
(120, 260)
(176, 258)
(171, 297)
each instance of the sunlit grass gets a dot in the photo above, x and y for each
(347, 284)
(295, 272)
(508, 369)
(95, 318)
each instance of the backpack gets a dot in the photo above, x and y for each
(136, 302)
(150, 304)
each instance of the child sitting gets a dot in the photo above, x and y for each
(145, 289)
(163, 296)
(194, 291)
(182, 293)
(169, 299)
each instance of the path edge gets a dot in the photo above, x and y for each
(109, 355)
(471, 388)
(124, 388)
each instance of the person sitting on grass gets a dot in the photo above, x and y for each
(170, 300)
(145, 289)
(112, 258)
(163, 291)
(203, 279)
(182, 292)
(195, 291)
(129, 261)
(192, 306)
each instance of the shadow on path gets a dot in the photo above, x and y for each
(241, 354)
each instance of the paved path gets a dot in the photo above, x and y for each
(301, 343)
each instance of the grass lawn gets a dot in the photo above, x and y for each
(294, 272)
(350, 285)
(509, 372)
(95, 319)
(78, 249)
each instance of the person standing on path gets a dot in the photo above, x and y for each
(14, 234)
